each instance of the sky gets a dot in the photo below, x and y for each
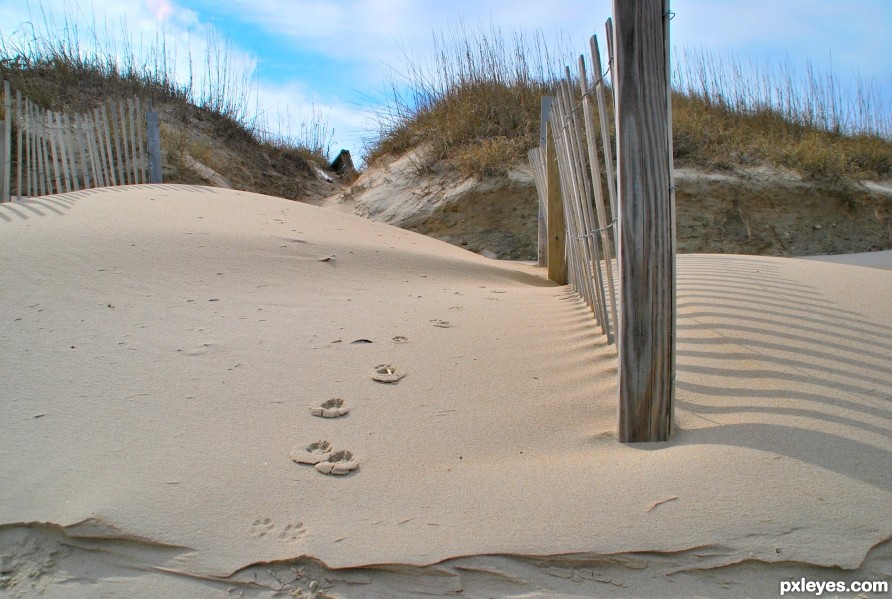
(334, 58)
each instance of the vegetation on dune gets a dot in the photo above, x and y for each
(476, 107)
(728, 114)
(209, 114)
(473, 105)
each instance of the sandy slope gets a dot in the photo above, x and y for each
(163, 346)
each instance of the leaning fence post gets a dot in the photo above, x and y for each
(153, 139)
(557, 266)
(646, 242)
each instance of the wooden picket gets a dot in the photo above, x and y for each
(59, 152)
(632, 296)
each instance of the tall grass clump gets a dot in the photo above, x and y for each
(728, 112)
(313, 139)
(62, 66)
(473, 103)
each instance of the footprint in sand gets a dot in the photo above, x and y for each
(385, 373)
(332, 408)
(261, 528)
(293, 532)
(400, 339)
(443, 324)
(340, 462)
(312, 453)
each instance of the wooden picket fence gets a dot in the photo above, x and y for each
(45, 152)
(610, 225)
(570, 141)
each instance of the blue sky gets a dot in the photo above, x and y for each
(336, 55)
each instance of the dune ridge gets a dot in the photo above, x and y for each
(170, 343)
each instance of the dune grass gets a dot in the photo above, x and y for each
(61, 66)
(727, 113)
(475, 104)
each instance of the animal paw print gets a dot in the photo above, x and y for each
(312, 453)
(331, 408)
(385, 373)
(293, 532)
(262, 527)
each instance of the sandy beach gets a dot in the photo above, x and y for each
(167, 351)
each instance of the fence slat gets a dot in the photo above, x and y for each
(568, 189)
(587, 223)
(46, 181)
(125, 135)
(7, 141)
(594, 168)
(153, 135)
(63, 150)
(132, 130)
(20, 151)
(106, 128)
(610, 173)
(104, 171)
(542, 222)
(557, 266)
(667, 16)
(117, 135)
(95, 166)
(3, 152)
(34, 169)
(81, 145)
(54, 146)
(570, 184)
(71, 140)
(26, 121)
(140, 144)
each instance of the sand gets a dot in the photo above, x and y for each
(170, 350)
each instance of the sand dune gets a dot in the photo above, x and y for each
(170, 350)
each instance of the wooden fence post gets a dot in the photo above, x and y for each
(543, 208)
(3, 151)
(646, 243)
(7, 142)
(153, 140)
(557, 266)
(19, 147)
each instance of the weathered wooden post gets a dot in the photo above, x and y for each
(153, 135)
(646, 241)
(542, 253)
(7, 143)
(557, 265)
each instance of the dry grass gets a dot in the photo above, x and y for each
(727, 113)
(713, 137)
(476, 103)
(60, 67)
